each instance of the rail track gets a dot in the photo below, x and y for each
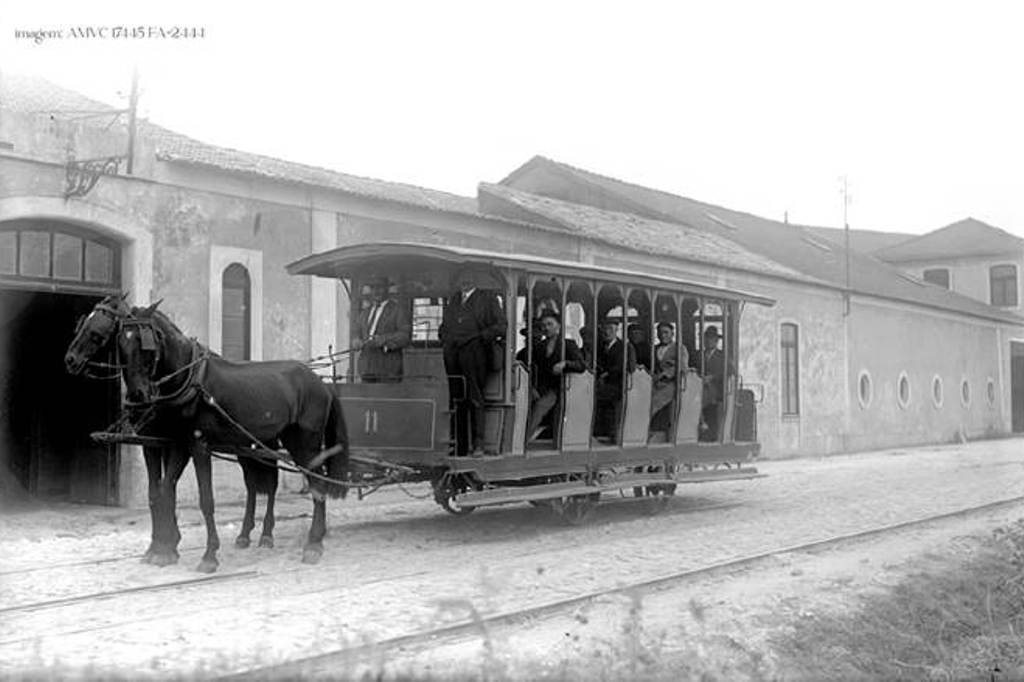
(479, 624)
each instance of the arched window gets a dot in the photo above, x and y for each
(236, 328)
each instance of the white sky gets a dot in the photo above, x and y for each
(757, 106)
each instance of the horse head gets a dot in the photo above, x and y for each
(140, 343)
(94, 331)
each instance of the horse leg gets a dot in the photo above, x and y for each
(158, 533)
(165, 552)
(201, 460)
(267, 536)
(314, 548)
(248, 520)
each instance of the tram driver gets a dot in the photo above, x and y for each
(382, 331)
(472, 323)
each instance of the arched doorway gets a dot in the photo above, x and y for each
(51, 272)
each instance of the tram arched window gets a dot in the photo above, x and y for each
(235, 313)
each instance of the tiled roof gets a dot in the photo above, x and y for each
(794, 246)
(865, 241)
(31, 94)
(968, 237)
(636, 232)
(175, 147)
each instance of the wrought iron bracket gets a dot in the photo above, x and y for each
(81, 176)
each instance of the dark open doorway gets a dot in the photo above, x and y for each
(1017, 386)
(46, 415)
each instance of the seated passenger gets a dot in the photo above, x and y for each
(548, 370)
(609, 378)
(641, 346)
(714, 377)
(663, 390)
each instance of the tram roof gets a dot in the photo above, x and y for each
(372, 258)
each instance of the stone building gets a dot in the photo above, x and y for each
(836, 365)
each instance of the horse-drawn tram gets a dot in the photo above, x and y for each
(506, 378)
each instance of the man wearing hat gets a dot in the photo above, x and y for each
(610, 372)
(714, 377)
(382, 331)
(473, 321)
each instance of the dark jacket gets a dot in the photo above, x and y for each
(480, 317)
(382, 357)
(609, 361)
(545, 379)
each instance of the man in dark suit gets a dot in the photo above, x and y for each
(473, 321)
(610, 373)
(382, 331)
(549, 367)
(714, 383)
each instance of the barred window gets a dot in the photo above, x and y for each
(790, 370)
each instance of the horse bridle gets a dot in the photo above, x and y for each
(116, 317)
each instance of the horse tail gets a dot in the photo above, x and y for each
(336, 433)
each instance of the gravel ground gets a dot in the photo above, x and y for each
(394, 564)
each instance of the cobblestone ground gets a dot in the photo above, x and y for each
(395, 564)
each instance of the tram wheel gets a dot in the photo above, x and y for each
(575, 509)
(452, 507)
(445, 490)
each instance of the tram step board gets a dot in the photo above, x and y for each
(546, 491)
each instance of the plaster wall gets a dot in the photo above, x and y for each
(887, 340)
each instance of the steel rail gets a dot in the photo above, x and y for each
(316, 663)
(189, 582)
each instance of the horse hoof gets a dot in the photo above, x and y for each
(311, 555)
(242, 542)
(167, 559)
(267, 541)
(147, 558)
(207, 566)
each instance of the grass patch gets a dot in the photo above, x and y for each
(965, 622)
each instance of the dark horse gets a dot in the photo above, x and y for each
(198, 401)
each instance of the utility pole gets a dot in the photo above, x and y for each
(133, 104)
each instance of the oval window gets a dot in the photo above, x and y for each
(990, 392)
(937, 390)
(965, 393)
(903, 390)
(864, 389)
